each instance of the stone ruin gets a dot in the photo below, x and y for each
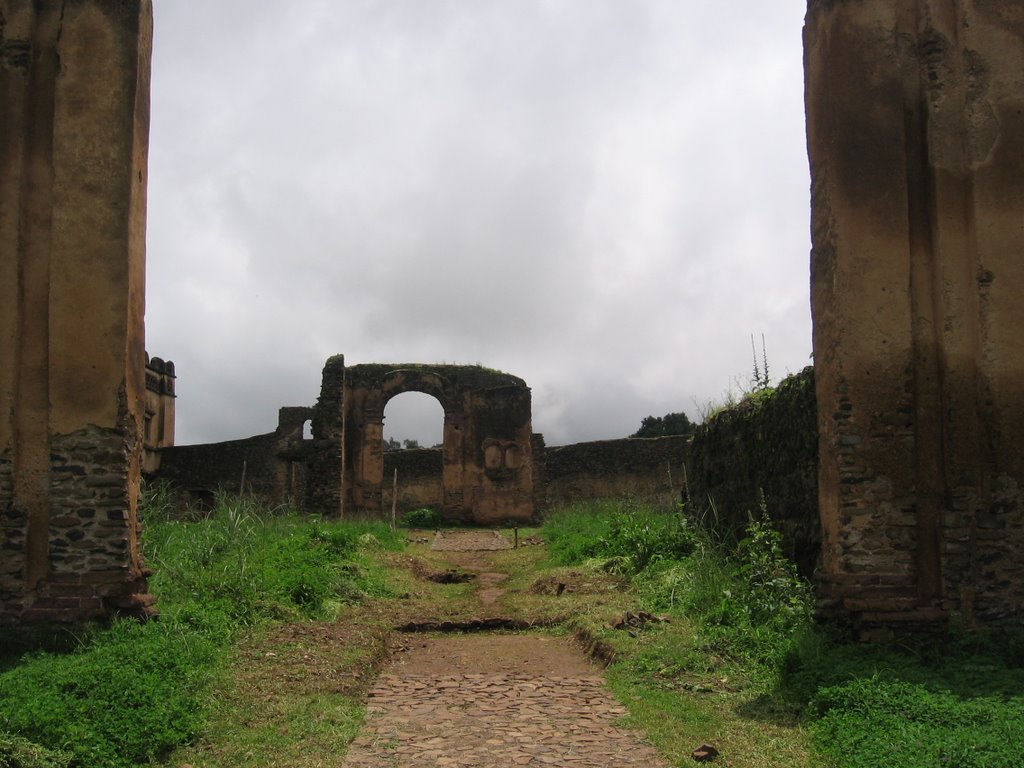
(915, 125)
(491, 469)
(486, 473)
(74, 100)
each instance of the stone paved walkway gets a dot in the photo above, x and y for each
(469, 541)
(455, 718)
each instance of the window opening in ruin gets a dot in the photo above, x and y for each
(413, 420)
(307, 429)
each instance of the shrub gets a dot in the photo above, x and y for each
(129, 694)
(638, 536)
(424, 517)
(128, 698)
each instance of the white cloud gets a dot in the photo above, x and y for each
(605, 198)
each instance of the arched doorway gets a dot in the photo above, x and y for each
(413, 439)
(486, 458)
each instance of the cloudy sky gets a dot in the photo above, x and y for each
(604, 197)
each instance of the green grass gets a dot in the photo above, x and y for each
(872, 722)
(742, 661)
(131, 693)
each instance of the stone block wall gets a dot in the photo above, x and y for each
(765, 448)
(325, 465)
(273, 466)
(641, 468)
(419, 479)
(74, 101)
(210, 467)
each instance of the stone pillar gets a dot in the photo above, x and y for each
(915, 125)
(74, 99)
(329, 486)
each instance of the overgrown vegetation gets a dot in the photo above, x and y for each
(739, 661)
(423, 517)
(130, 693)
(662, 426)
(741, 620)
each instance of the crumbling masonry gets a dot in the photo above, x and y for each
(915, 124)
(915, 121)
(74, 123)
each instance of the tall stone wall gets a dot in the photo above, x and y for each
(419, 479)
(915, 124)
(641, 468)
(764, 450)
(74, 121)
(250, 465)
(273, 466)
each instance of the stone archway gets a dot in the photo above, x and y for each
(487, 468)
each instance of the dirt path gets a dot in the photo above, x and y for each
(492, 699)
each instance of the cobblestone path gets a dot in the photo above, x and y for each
(495, 717)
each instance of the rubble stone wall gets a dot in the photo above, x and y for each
(764, 451)
(419, 479)
(639, 468)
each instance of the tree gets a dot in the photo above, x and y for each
(662, 426)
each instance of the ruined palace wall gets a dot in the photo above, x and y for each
(640, 468)
(74, 100)
(219, 466)
(158, 431)
(915, 124)
(419, 479)
(763, 448)
(272, 466)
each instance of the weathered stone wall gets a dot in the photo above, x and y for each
(915, 125)
(326, 495)
(419, 478)
(764, 448)
(487, 467)
(641, 468)
(212, 467)
(272, 466)
(158, 431)
(74, 121)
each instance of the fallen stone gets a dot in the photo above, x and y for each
(704, 753)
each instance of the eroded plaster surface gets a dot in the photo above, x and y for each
(915, 121)
(74, 100)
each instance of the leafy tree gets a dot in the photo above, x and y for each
(411, 443)
(661, 426)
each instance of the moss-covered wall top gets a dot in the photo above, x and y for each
(460, 377)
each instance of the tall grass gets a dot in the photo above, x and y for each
(129, 694)
(953, 700)
(745, 601)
